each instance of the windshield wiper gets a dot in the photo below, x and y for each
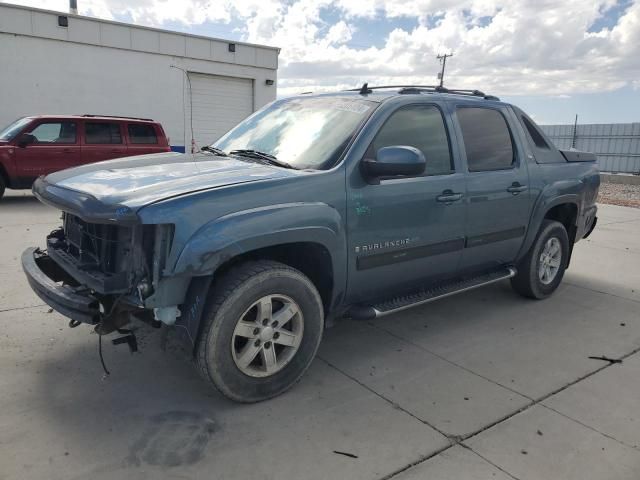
(268, 158)
(214, 150)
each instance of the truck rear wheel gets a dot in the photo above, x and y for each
(541, 270)
(263, 325)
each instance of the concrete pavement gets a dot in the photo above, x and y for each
(481, 385)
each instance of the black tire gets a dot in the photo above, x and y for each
(3, 186)
(228, 302)
(527, 281)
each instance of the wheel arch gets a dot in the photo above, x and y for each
(311, 258)
(5, 176)
(563, 208)
(306, 237)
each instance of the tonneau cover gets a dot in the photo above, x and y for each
(578, 156)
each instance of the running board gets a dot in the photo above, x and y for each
(397, 304)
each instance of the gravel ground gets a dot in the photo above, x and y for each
(620, 194)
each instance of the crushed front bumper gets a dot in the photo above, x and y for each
(43, 275)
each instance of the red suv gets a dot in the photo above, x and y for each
(34, 146)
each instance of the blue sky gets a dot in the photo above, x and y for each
(616, 106)
(554, 58)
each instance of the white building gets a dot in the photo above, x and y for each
(58, 63)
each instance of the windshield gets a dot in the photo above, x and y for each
(12, 130)
(304, 133)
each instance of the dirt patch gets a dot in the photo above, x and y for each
(172, 439)
(620, 194)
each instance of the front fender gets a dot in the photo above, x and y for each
(241, 232)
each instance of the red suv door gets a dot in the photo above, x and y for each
(55, 146)
(103, 140)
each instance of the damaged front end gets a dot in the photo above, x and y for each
(101, 273)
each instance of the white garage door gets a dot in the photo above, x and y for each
(219, 103)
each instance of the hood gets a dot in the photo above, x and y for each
(141, 180)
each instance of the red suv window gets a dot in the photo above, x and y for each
(102, 132)
(142, 133)
(55, 132)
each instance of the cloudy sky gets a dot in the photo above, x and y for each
(554, 58)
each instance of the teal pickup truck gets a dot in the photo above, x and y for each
(317, 207)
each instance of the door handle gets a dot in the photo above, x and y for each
(448, 196)
(516, 188)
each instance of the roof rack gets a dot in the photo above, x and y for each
(412, 89)
(118, 116)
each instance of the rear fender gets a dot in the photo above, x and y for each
(546, 201)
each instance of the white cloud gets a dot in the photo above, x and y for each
(339, 33)
(527, 47)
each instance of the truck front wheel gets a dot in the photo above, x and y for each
(263, 325)
(541, 270)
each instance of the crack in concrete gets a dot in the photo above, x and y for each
(495, 465)
(451, 362)
(568, 282)
(7, 225)
(389, 401)
(635, 447)
(22, 308)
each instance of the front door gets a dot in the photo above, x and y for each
(407, 231)
(55, 147)
(499, 200)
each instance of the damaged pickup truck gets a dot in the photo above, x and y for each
(354, 204)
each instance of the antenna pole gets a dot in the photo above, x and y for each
(443, 62)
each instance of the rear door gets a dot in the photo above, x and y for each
(56, 147)
(142, 138)
(498, 195)
(103, 140)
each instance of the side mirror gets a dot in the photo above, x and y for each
(26, 139)
(395, 161)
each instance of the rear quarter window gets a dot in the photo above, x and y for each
(543, 149)
(141, 133)
(534, 135)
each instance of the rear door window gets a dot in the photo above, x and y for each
(141, 133)
(55, 132)
(102, 133)
(487, 140)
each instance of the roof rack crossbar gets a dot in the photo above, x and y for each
(89, 115)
